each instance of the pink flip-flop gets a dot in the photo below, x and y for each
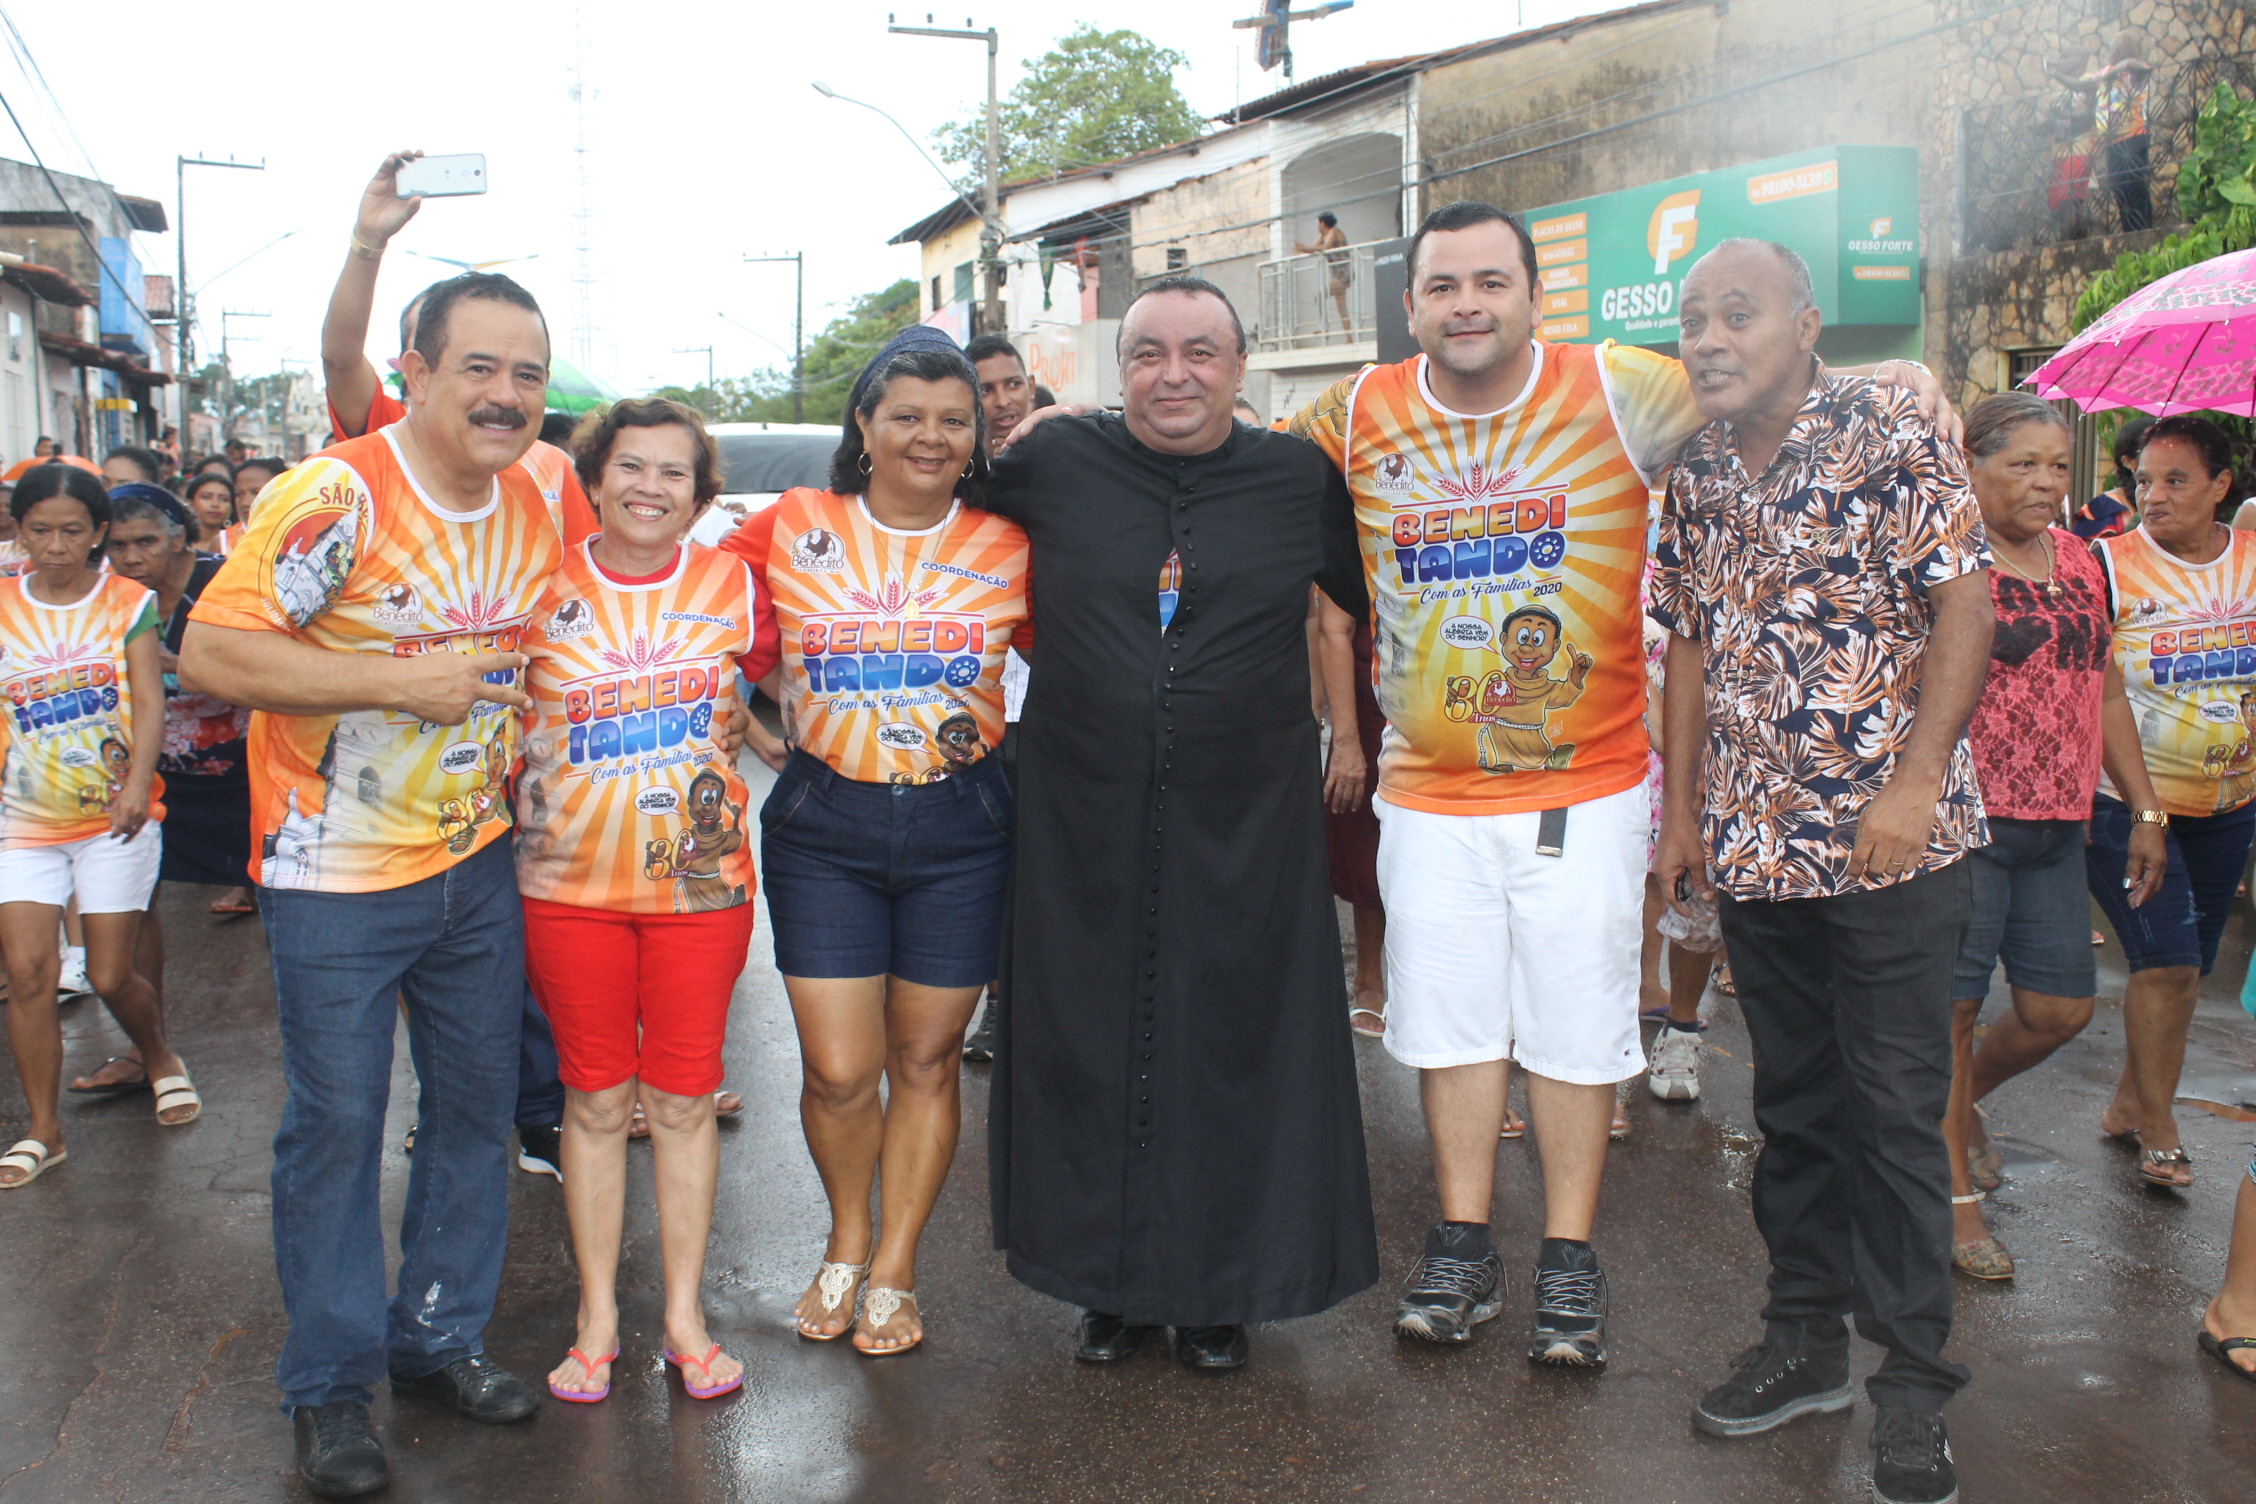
(704, 1366)
(588, 1366)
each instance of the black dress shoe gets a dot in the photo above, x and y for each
(475, 1386)
(338, 1456)
(1211, 1349)
(1108, 1339)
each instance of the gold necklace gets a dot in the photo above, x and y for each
(2051, 581)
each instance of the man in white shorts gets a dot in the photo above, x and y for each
(1501, 485)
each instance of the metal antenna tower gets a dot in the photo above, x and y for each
(583, 217)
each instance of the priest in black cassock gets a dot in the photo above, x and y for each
(1174, 1131)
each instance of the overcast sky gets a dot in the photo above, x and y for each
(706, 142)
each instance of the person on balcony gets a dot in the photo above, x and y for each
(2119, 89)
(1331, 244)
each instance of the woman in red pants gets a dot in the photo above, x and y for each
(634, 863)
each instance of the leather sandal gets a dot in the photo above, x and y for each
(2155, 1166)
(174, 1093)
(880, 1304)
(33, 1157)
(838, 1285)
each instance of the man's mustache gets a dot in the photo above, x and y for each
(491, 416)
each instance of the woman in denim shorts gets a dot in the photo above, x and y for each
(2052, 712)
(886, 841)
(2179, 585)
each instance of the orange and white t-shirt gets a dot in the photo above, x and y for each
(1504, 552)
(2185, 640)
(892, 641)
(349, 554)
(550, 467)
(626, 800)
(69, 734)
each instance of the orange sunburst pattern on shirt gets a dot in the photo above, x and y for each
(893, 641)
(627, 801)
(2185, 640)
(345, 553)
(68, 726)
(1504, 553)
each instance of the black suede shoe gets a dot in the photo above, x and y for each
(1911, 1458)
(1211, 1349)
(1771, 1387)
(338, 1456)
(475, 1386)
(1108, 1339)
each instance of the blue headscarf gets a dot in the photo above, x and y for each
(915, 337)
(158, 497)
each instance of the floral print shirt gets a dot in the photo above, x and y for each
(1807, 586)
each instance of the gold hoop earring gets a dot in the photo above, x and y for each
(967, 471)
(864, 462)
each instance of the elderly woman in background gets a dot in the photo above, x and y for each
(2178, 587)
(2052, 713)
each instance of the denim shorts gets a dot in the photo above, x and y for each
(885, 879)
(2029, 911)
(2182, 923)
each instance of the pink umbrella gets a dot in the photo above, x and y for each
(2184, 344)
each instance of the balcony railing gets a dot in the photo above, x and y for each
(1324, 298)
(2043, 171)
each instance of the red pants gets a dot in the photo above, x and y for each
(636, 995)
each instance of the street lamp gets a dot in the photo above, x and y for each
(990, 243)
(798, 260)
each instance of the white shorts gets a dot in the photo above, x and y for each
(108, 876)
(1494, 952)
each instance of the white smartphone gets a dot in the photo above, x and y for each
(443, 177)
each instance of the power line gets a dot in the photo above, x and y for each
(72, 213)
(34, 75)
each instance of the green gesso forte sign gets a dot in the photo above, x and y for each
(1611, 265)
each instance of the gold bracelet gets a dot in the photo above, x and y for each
(364, 251)
(2152, 817)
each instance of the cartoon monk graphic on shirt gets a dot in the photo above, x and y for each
(1512, 705)
(694, 863)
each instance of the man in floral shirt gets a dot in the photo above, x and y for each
(1821, 567)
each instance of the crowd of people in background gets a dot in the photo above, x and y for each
(493, 698)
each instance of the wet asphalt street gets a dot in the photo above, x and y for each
(140, 1318)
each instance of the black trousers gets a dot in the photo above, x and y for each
(1848, 1003)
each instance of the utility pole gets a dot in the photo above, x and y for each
(183, 309)
(227, 373)
(1275, 25)
(798, 260)
(990, 238)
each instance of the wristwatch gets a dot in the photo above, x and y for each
(2152, 817)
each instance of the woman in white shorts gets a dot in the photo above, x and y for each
(79, 815)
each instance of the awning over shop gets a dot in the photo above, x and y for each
(79, 353)
(1611, 265)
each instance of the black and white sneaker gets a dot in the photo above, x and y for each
(1570, 1306)
(979, 1044)
(540, 1150)
(1771, 1387)
(1911, 1458)
(1455, 1286)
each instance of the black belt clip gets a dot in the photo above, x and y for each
(1551, 833)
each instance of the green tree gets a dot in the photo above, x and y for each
(832, 360)
(1095, 96)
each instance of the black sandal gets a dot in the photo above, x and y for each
(2222, 1350)
(114, 1088)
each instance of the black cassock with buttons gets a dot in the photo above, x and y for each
(1174, 1130)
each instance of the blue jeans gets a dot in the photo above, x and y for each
(540, 1091)
(2183, 922)
(453, 946)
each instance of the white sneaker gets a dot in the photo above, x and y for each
(73, 982)
(1674, 1072)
